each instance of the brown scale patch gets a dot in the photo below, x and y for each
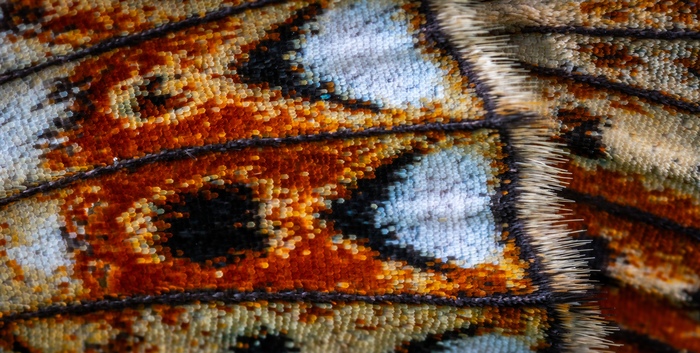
(604, 9)
(16, 13)
(628, 190)
(123, 342)
(73, 27)
(630, 106)
(582, 91)
(313, 263)
(619, 16)
(16, 269)
(649, 316)
(82, 26)
(580, 130)
(653, 247)
(576, 115)
(313, 312)
(169, 315)
(692, 64)
(611, 55)
(675, 11)
(11, 343)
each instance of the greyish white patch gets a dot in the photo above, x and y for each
(444, 212)
(367, 50)
(25, 113)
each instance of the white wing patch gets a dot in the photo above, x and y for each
(367, 50)
(444, 212)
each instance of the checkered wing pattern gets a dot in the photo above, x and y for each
(344, 176)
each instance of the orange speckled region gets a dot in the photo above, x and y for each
(283, 327)
(629, 190)
(635, 312)
(121, 224)
(49, 29)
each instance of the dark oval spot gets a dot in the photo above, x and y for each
(213, 223)
(264, 342)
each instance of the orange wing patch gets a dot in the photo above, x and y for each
(281, 237)
(199, 86)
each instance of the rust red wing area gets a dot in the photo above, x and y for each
(308, 216)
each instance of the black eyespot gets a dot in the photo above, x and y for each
(264, 342)
(213, 223)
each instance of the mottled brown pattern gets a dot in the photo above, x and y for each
(625, 189)
(655, 248)
(619, 78)
(650, 316)
(610, 55)
(677, 11)
(115, 330)
(75, 26)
